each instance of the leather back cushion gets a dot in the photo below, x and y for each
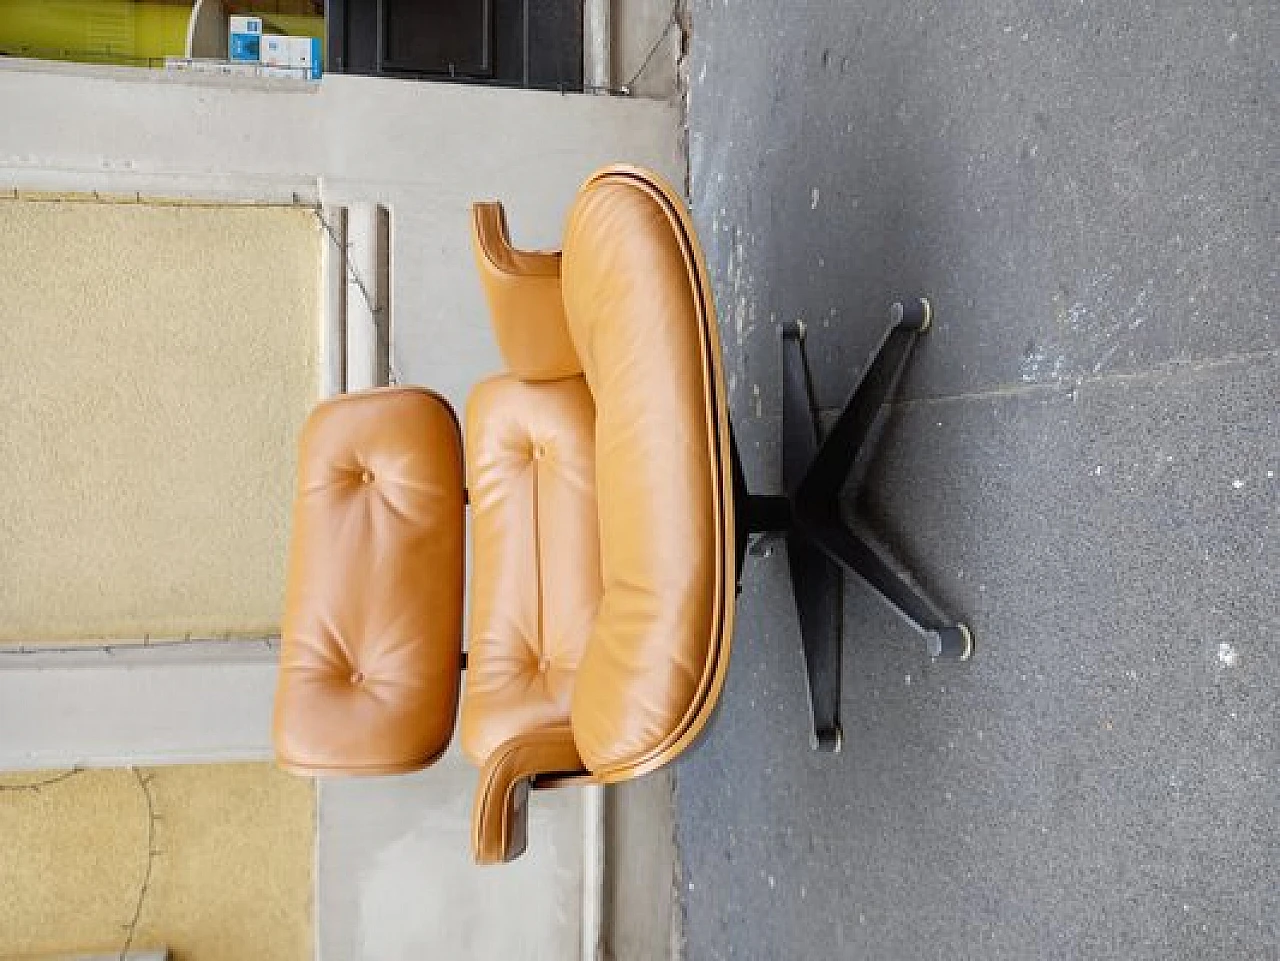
(372, 633)
(631, 290)
(535, 550)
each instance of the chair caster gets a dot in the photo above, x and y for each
(914, 315)
(828, 741)
(952, 643)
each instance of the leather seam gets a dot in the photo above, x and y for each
(540, 614)
(413, 764)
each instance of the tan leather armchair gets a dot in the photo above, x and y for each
(608, 521)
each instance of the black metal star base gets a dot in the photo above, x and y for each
(820, 545)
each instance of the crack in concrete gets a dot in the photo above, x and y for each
(1071, 387)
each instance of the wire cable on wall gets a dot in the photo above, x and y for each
(131, 929)
(44, 783)
(672, 22)
(349, 269)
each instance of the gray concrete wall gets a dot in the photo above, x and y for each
(1081, 465)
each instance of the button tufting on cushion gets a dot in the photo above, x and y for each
(533, 528)
(375, 580)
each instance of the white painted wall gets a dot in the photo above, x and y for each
(394, 875)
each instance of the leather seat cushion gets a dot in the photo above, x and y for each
(535, 588)
(638, 312)
(372, 632)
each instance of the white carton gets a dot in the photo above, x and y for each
(300, 54)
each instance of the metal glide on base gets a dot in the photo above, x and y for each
(820, 545)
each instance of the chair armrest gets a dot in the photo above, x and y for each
(500, 817)
(523, 290)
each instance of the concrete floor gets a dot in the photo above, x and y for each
(1083, 465)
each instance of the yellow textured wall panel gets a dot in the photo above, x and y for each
(158, 363)
(231, 879)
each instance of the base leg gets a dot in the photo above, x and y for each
(945, 637)
(799, 409)
(831, 466)
(818, 586)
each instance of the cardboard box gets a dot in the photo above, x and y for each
(244, 40)
(300, 54)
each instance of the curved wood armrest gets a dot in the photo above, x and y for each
(500, 817)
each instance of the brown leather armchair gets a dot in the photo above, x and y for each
(608, 519)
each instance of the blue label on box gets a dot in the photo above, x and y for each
(316, 59)
(244, 47)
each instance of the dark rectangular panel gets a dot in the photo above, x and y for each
(555, 44)
(518, 43)
(450, 37)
